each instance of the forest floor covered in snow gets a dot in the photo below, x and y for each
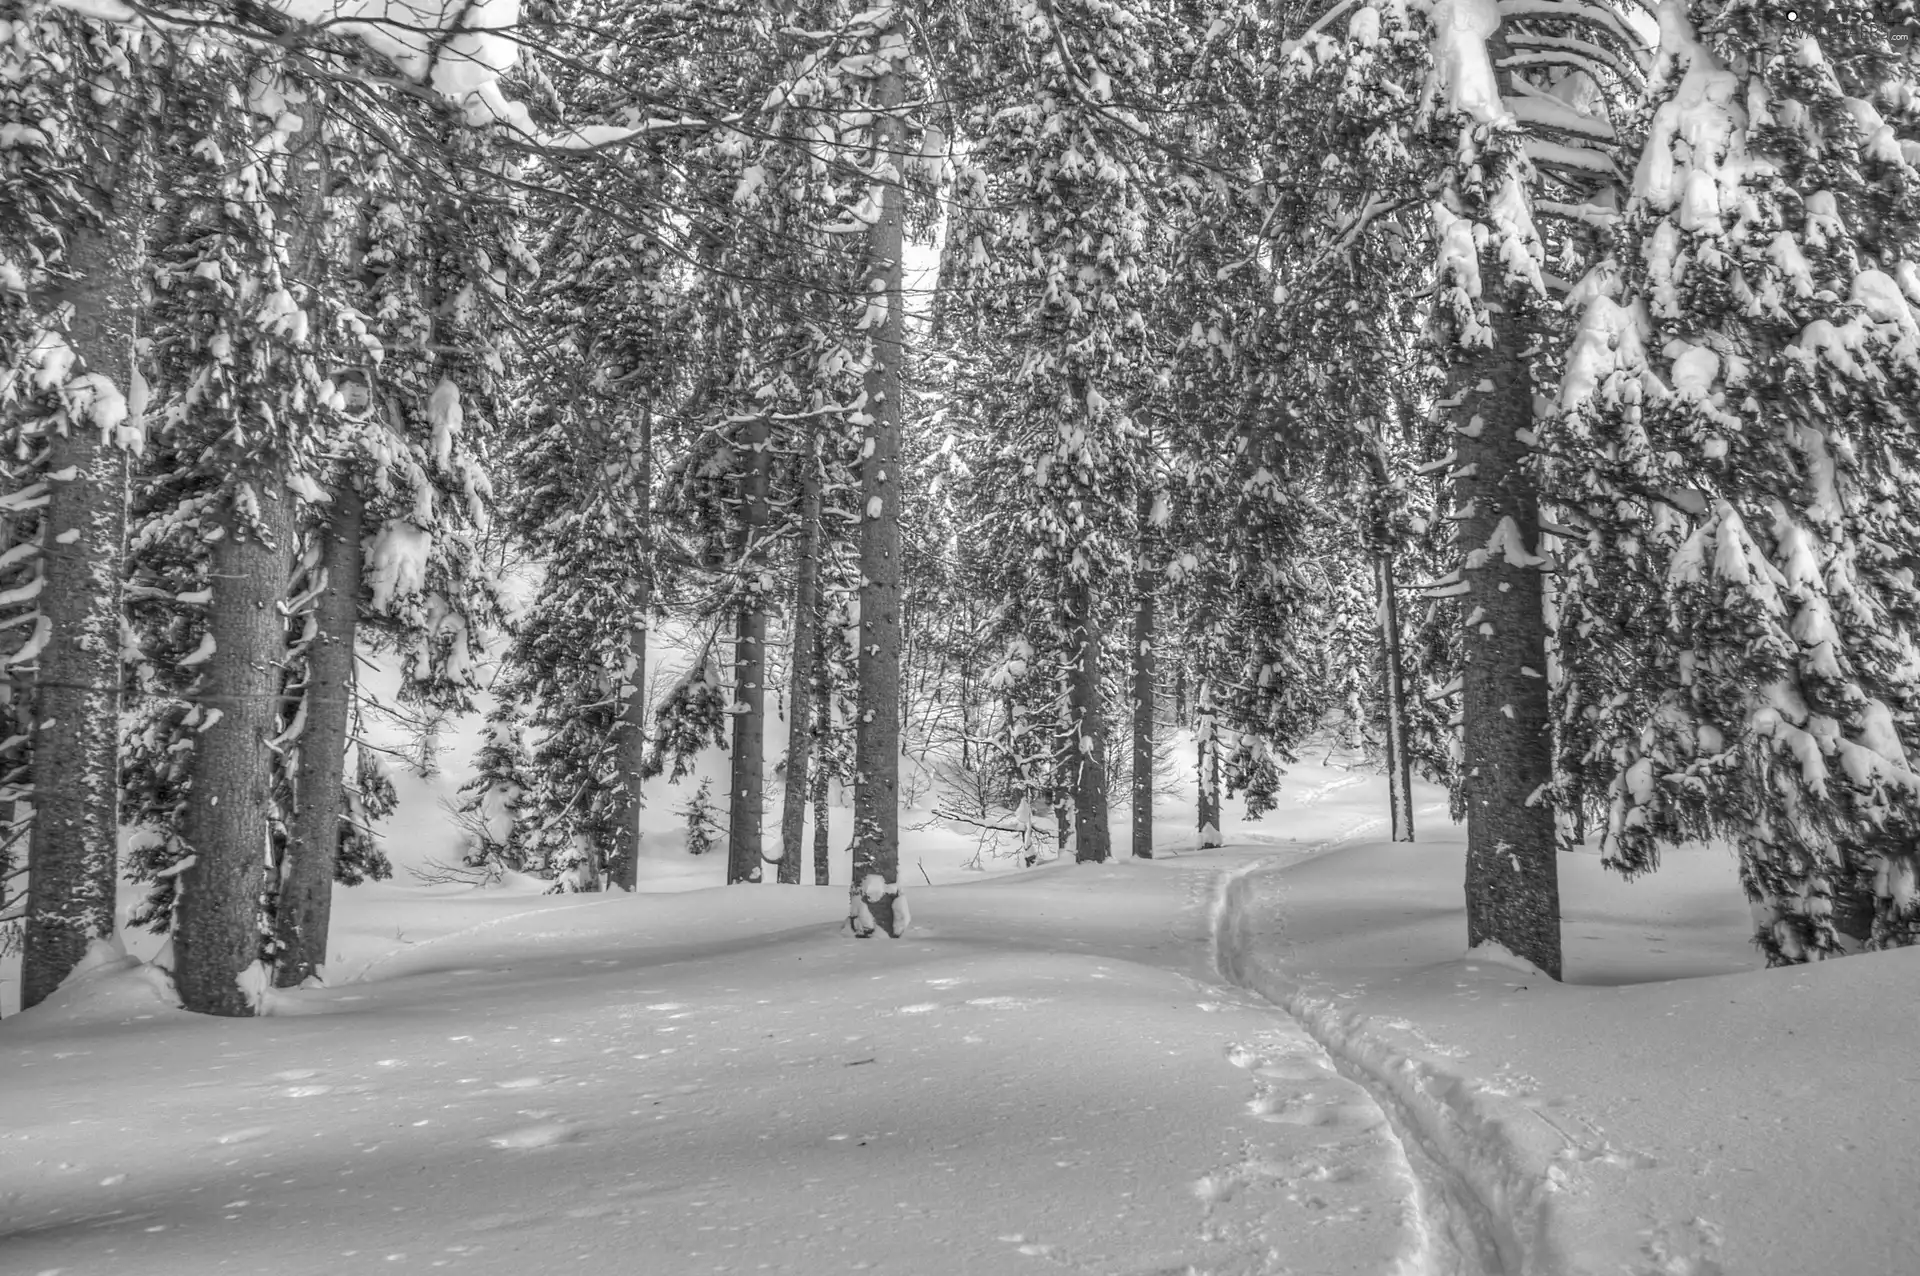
(1270, 1058)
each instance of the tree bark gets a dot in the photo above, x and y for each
(630, 749)
(1206, 731)
(822, 781)
(304, 905)
(876, 764)
(1142, 662)
(72, 854)
(1399, 763)
(1512, 885)
(1087, 749)
(749, 668)
(800, 689)
(217, 924)
(1393, 681)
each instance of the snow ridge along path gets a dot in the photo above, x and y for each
(1464, 1220)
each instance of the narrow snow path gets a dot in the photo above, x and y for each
(1047, 1072)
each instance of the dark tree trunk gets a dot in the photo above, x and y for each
(876, 762)
(801, 692)
(1086, 719)
(1141, 658)
(822, 781)
(1512, 883)
(304, 904)
(72, 854)
(630, 748)
(217, 923)
(744, 861)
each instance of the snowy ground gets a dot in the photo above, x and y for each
(1080, 1069)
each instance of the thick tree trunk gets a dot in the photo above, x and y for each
(304, 905)
(800, 689)
(1512, 883)
(630, 748)
(72, 853)
(876, 763)
(217, 923)
(1087, 747)
(1142, 662)
(749, 668)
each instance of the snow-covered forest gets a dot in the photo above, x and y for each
(526, 526)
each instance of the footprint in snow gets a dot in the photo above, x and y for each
(1607, 1154)
(545, 1134)
(1289, 1066)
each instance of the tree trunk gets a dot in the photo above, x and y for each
(876, 762)
(630, 749)
(1399, 763)
(72, 854)
(217, 924)
(1512, 883)
(304, 905)
(1087, 748)
(800, 688)
(749, 668)
(1206, 731)
(822, 781)
(1142, 662)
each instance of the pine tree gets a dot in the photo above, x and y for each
(77, 170)
(1739, 453)
(241, 386)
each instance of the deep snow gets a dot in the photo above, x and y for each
(1063, 1068)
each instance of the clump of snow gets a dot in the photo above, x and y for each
(396, 563)
(1462, 67)
(1498, 954)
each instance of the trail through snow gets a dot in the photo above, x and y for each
(1048, 1073)
(1269, 1058)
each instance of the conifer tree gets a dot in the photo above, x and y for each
(1738, 452)
(240, 385)
(77, 170)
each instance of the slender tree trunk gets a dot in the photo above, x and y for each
(876, 764)
(1142, 663)
(304, 905)
(216, 930)
(744, 859)
(1399, 763)
(630, 749)
(1512, 883)
(1087, 749)
(822, 781)
(1380, 536)
(1206, 730)
(800, 693)
(72, 853)
(822, 824)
